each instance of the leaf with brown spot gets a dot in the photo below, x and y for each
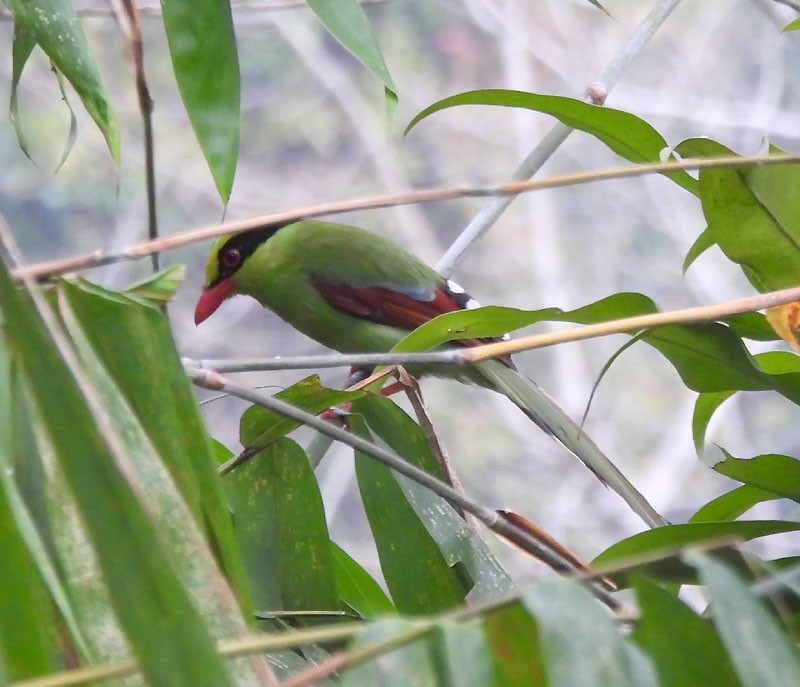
(785, 320)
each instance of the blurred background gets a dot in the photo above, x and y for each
(314, 130)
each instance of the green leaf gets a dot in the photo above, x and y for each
(21, 50)
(463, 550)
(516, 654)
(624, 133)
(773, 472)
(27, 642)
(55, 27)
(753, 215)
(348, 23)
(460, 655)
(135, 345)
(708, 357)
(704, 408)
(159, 288)
(495, 320)
(752, 325)
(793, 25)
(418, 577)
(732, 504)
(671, 537)
(600, 7)
(356, 587)
(167, 634)
(259, 427)
(202, 45)
(685, 648)
(280, 525)
(760, 650)
(581, 645)
(701, 245)
(395, 666)
(783, 368)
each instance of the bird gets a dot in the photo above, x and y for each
(355, 291)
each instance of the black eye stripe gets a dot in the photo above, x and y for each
(246, 243)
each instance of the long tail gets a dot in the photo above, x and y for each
(546, 413)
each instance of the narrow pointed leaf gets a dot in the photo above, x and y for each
(775, 473)
(357, 589)
(417, 574)
(202, 45)
(626, 134)
(581, 645)
(135, 345)
(55, 27)
(167, 634)
(23, 46)
(516, 653)
(280, 524)
(732, 504)
(753, 215)
(708, 357)
(258, 426)
(680, 536)
(496, 320)
(156, 289)
(685, 648)
(702, 243)
(27, 640)
(348, 23)
(460, 655)
(459, 544)
(759, 648)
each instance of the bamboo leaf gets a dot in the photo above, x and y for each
(55, 27)
(685, 648)
(516, 652)
(280, 525)
(166, 633)
(626, 134)
(258, 427)
(202, 45)
(580, 643)
(732, 504)
(135, 345)
(758, 647)
(357, 588)
(462, 548)
(774, 473)
(348, 23)
(416, 572)
(670, 537)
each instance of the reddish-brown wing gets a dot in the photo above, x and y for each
(395, 308)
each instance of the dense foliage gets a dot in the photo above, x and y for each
(134, 542)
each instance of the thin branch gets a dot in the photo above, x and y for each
(47, 270)
(127, 14)
(308, 362)
(596, 93)
(211, 380)
(468, 356)
(704, 313)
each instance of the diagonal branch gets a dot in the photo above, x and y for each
(595, 93)
(48, 270)
(490, 518)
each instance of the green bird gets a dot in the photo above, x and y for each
(357, 292)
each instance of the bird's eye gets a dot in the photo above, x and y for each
(231, 258)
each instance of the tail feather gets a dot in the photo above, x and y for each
(546, 413)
